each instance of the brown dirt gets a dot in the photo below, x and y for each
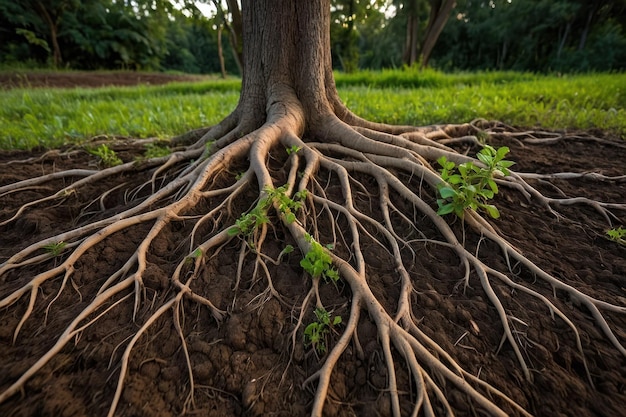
(248, 364)
(70, 79)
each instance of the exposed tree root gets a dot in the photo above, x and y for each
(339, 151)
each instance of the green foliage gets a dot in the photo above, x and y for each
(318, 263)
(293, 150)
(315, 333)
(55, 248)
(617, 235)
(256, 217)
(469, 186)
(107, 156)
(154, 150)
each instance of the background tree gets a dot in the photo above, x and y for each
(535, 35)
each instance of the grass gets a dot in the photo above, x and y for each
(51, 118)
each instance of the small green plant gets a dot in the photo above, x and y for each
(55, 248)
(154, 150)
(471, 186)
(286, 205)
(107, 156)
(617, 235)
(247, 222)
(315, 333)
(293, 149)
(317, 262)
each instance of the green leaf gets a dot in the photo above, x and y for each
(288, 249)
(337, 320)
(447, 192)
(485, 159)
(454, 179)
(501, 152)
(446, 209)
(486, 193)
(290, 218)
(492, 211)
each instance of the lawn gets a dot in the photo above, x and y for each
(52, 117)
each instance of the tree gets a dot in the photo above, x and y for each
(37, 17)
(292, 140)
(418, 47)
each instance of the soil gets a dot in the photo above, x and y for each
(248, 364)
(71, 79)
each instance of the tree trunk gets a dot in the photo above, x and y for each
(52, 25)
(220, 51)
(439, 14)
(412, 34)
(236, 37)
(290, 64)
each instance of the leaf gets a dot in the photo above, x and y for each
(445, 209)
(290, 218)
(337, 320)
(485, 159)
(501, 152)
(486, 193)
(447, 192)
(492, 211)
(455, 179)
(288, 249)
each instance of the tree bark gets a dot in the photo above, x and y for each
(286, 50)
(439, 14)
(220, 52)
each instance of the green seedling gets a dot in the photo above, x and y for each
(315, 333)
(469, 186)
(55, 248)
(617, 235)
(154, 150)
(318, 262)
(293, 149)
(256, 217)
(107, 156)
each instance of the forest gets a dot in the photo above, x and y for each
(546, 36)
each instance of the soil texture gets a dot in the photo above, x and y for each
(250, 363)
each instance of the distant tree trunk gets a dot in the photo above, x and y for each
(53, 26)
(412, 35)
(220, 52)
(585, 33)
(439, 14)
(236, 32)
(234, 29)
(563, 40)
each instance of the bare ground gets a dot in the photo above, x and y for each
(70, 79)
(249, 365)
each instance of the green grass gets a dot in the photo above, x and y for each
(50, 118)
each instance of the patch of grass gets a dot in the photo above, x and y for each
(51, 118)
(107, 156)
(549, 102)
